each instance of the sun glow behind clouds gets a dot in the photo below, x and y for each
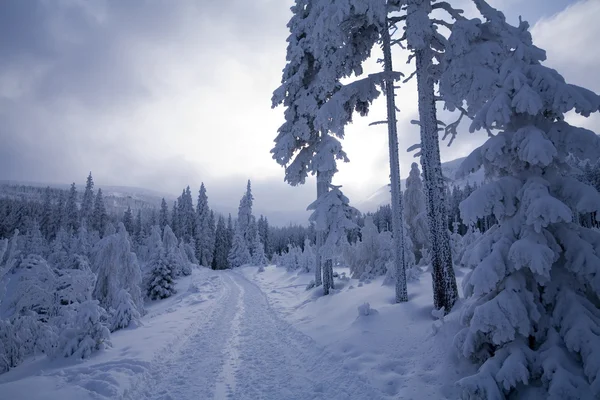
(180, 92)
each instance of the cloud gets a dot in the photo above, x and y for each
(168, 94)
(570, 39)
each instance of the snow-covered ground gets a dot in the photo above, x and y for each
(400, 349)
(247, 335)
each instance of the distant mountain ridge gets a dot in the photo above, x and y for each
(382, 196)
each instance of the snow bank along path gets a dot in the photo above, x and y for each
(243, 350)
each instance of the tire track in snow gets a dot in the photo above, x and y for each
(279, 362)
(188, 368)
(226, 384)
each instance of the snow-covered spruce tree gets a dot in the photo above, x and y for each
(245, 217)
(332, 215)
(238, 254)
(128, 220)
(86, 334)
(368, 263)
(203, 228)
(221, 246)
(71, 210)
(161, 274)
(327, 42)
(427, 44)
(46, 220)
(172, 254)
(163, 215)
(307, 260)
(117, 268)
(99, 216)
(126, 313)
(532, 317)
(87, 202)
(415, 214)
(34, 241)
(258, 252)
(212, 233)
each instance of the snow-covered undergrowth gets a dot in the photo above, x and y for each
(116, 370)
(401, 349)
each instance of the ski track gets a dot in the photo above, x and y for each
(243, 350)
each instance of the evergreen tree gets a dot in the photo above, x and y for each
(161, 283)
(333, 216)
(531, 318)
(128, 220)
(46, 222)
(163, 216)
(87, 203)
(415, 214)
(203, 234)
(212, 232)
(117, 268)
(86, 333)
(238, 254)
(59, 214)
(221, 246)
(245, 216)
(99, 216)
(174, 218)
(258, 252)
(138, 231)
(71, 211)
(172, 254)
(263, 234)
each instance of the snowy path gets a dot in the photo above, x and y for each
(243, 350)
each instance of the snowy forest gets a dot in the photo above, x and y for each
(483, 289)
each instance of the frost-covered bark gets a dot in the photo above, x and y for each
(397, 212)
(421, 36)
(532, 317)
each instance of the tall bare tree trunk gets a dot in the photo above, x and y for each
(397, 217)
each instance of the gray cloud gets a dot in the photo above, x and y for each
(162, 94)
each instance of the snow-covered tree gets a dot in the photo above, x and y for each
(128, 220)
(99, 216)
(327, 43)
(370, 253)
(532, 318)
(71, 210)
(163, 215)
(46, 221)
(117, 268)
(86, 334)
(238, 254)
(221, 245)
(332, 215)
(172, 254)
(307, 260)
(203, 234)
(87, 202)
(245, 216)
(415, 214)
(258, 252)
(161, 280)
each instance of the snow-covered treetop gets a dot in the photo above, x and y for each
(329, 40)
(496, 70)
(333, 214)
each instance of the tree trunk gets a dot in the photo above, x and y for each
(397, 217)
(445, 291)
(322, 187)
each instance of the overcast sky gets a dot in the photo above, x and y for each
(164, 94)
